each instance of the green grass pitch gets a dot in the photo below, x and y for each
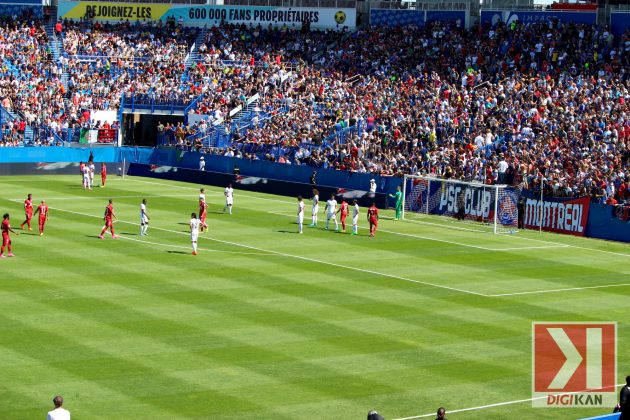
(265, 323)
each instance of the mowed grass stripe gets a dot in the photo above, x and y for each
(261, 337)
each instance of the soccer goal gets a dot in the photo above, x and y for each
(494, 206)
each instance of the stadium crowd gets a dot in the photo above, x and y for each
(509, 104)
(504, 104)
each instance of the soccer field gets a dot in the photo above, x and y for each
(265, 323)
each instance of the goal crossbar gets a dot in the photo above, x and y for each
(494, 205)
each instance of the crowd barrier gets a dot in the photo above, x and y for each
(593, 220)
(74, 154)
(274, 170)
(256, 183)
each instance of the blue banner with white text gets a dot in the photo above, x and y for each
(534, 16)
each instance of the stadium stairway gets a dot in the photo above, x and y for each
(6, 115)
(193, 55)
(55, 47)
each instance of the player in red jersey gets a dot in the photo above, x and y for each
(6, 239)
(372, 216)
(343, 209)
(109, 220)
(28, 212)
(42, 209)
(203, 211)
(103, 174)
(81, 166)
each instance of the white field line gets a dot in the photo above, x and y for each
(557, 245)
(483, 407)
(532, 292)
(289, 214)
(450, 226)
(299, 257)
(189, 248)
(417, 221)
(134, 179)
(531, 247)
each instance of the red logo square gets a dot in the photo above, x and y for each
(574, 357)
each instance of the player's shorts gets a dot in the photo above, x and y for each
(108, 223)
(29, 214)
(202, 217)
(343, 216)
(374, 222)
(315, 210)
(330, 215)
(300, 219)
(229, 201)
(194, 237)
(144, 220)
(355, 220)
(86, 178)
(6, 240)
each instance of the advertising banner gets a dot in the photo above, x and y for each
(619, 22)
(255, 183)
(389, 17)
(210, 15)
(560, 215)
(533, 16)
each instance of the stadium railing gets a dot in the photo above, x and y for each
(154, 102)
(42, 134)
(340, 136)
(192, 106)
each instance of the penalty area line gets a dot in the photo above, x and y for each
(484, 248)
(299, 257)
(188, 247)
(567, 289)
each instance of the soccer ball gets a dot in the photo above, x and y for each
(340, 17)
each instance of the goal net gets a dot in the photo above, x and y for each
(494, 206)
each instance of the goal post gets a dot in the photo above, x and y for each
(494, 206)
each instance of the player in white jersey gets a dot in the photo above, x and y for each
(229, 198)
(331, 210)
(86, 177)
(315, 208)
(355, 217)
(144, 218)
(92, 170)
(300, 214)
(194, 231)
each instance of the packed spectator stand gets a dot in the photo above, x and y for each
(510, 104)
